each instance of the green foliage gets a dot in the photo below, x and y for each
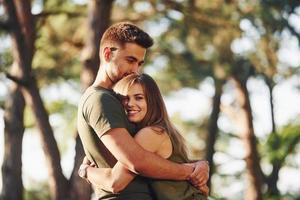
(271, 19)
(280, 145)
(37, 192)
(64, 108)
(2, 104)
(63, 115)
(6, 59)
(195, 133)
(285, 197)
(197, 42)
(59, 42)
(60, 106)
(242, 68)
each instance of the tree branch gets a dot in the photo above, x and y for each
(59, 12)
(17, 80)
(25, 82)
(293, 31)
(174, 5)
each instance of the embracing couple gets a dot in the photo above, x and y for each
(133, 151)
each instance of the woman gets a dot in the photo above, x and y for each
(145, 107)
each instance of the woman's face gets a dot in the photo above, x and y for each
(135, 103)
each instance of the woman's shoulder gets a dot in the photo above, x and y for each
(153, 129)
(156, 131)
(151, 138)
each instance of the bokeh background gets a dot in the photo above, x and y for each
(228, 69)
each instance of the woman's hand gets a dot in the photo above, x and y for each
(204, 189)
(200, 175)
(82, 171)
(113, 180)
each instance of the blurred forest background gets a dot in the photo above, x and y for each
(229, 71)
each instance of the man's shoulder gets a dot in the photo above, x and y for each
(99, 95)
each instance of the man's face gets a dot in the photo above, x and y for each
(125, 61)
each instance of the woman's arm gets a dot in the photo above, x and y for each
(111, 179)
(117, 178)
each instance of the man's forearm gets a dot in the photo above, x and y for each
(140, 161)
(100, 177)
(159, 168)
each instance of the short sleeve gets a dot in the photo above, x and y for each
(104, 112)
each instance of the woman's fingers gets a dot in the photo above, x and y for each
(86, 161)
(205, 190)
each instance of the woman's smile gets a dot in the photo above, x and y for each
(135, 103)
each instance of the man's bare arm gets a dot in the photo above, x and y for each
(120, 143)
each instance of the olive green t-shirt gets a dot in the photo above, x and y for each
(179, 190)
(100, 110)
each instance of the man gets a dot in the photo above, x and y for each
(100, 115)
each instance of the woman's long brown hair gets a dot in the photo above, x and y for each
(156, 115)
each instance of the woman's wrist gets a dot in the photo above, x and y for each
(82, 172)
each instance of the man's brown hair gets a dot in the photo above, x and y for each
(125, 32)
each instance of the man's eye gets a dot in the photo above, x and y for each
(130, 61)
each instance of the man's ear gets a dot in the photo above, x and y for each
(107, 53)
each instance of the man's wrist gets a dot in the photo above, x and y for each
(190, 169)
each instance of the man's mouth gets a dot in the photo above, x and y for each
(126, 74)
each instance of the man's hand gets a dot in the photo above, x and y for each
(200, 175)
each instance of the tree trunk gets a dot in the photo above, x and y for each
(254, 172)
(276, 164)
(99, 12)
(79, 188)
(22, 34)
(58, 184)
(12, 185)
(270, 85)
(98, 21)
(213, 127)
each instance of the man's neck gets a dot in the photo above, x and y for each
(103, 80)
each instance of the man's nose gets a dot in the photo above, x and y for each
(135, 68)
